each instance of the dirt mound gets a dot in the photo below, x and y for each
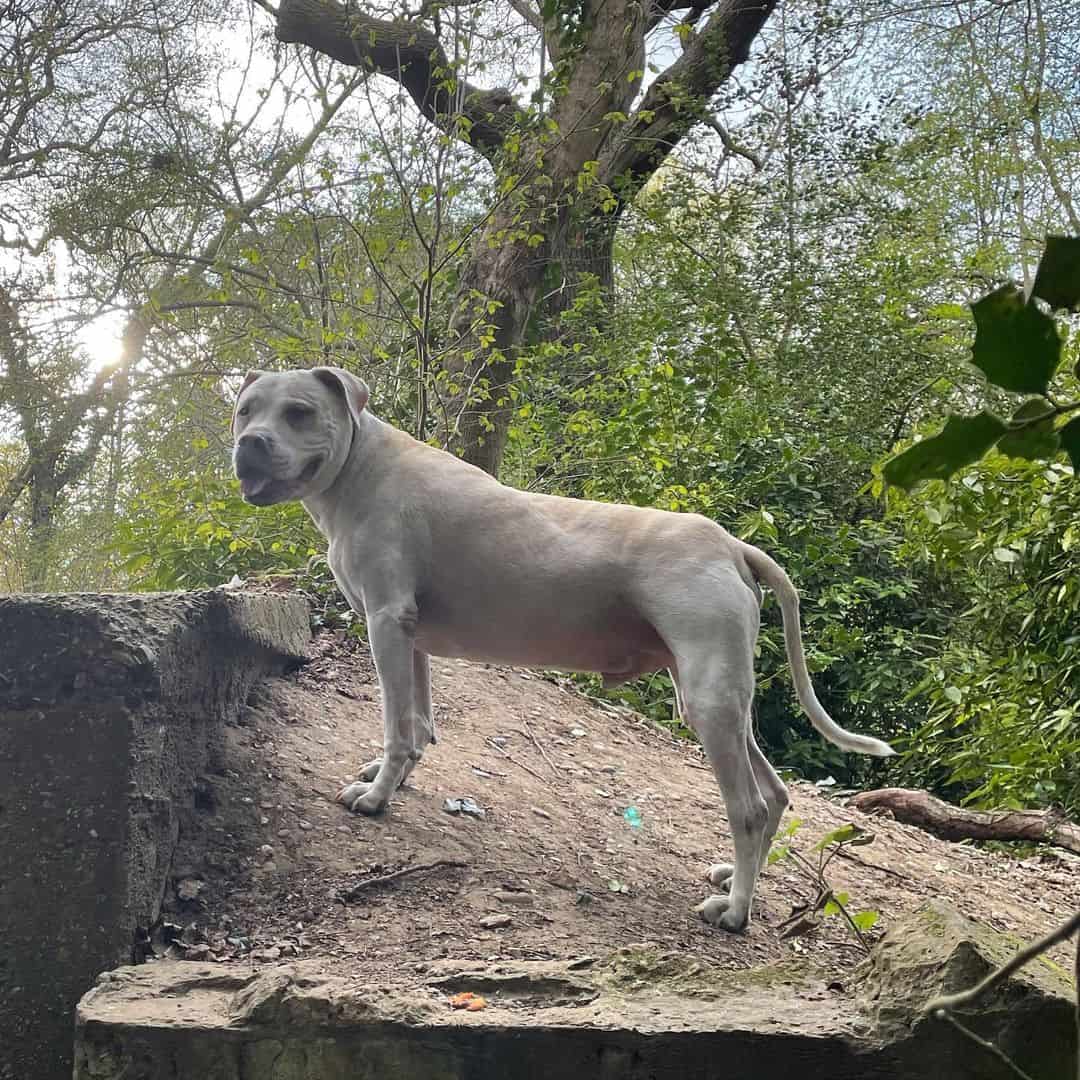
(553, 870)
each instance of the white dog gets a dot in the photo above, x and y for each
(442, 559)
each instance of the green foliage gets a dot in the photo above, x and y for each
(1018, 348)
(813, 867)
(195, 532)
(1003, 719)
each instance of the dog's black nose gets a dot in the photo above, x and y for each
(252, 454)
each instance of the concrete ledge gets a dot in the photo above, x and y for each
(108, 711)
(636, 1015)
(542, 1022)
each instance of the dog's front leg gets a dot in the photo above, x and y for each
(423, 729)
(391, 630)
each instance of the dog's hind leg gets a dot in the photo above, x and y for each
(775, 793)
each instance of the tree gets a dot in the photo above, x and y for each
(123, 160)
(565, 167)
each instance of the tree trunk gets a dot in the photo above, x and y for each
(42, 531)
(913, 807)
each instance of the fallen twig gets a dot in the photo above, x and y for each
(510, 757)
(543, 752)
(354, 891)
(845, 854)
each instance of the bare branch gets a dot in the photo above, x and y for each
(732, 146)
(407, 52)
(947, 1002)
(667, 113)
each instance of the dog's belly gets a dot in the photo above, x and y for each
(618, 645)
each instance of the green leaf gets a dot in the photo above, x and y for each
(1006, 555)
(1016, 345)
(1036, 439)
(954, 694)
(1035, 408)
(1069, 436)
(866, 920)
(778, 853)
(1057, 281)
(844, 835)
(964, 439)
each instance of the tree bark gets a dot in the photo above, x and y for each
(914, 807)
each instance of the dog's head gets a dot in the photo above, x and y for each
(293, 431)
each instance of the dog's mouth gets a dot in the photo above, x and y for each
(257, 489)
(262, 489)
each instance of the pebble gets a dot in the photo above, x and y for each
(507, 897)
(495, 922)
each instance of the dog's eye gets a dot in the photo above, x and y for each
(243, 410)
(298, 414)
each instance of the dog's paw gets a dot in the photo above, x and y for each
(720, 875)
(370, 770)
(360, 798)
(717, 911)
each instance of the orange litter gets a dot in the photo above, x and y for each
(469, 1001)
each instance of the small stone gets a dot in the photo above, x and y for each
(188, 889)
(541, 813)
(197, 952)
(266, 851)
(495, 922)
(578, 733)
(305, 825)
(505, 896)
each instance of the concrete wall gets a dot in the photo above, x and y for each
(108, 711)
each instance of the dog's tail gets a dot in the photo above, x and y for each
(772, 574)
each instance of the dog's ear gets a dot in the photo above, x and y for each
(344, 382)
(248, 380)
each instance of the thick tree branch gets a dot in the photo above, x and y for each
(914, 807)
(407, 52)
(676, 100)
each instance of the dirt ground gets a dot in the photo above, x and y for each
(553, 870)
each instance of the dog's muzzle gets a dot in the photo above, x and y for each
(253, 464)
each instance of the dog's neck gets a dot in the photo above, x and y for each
(356, 474)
